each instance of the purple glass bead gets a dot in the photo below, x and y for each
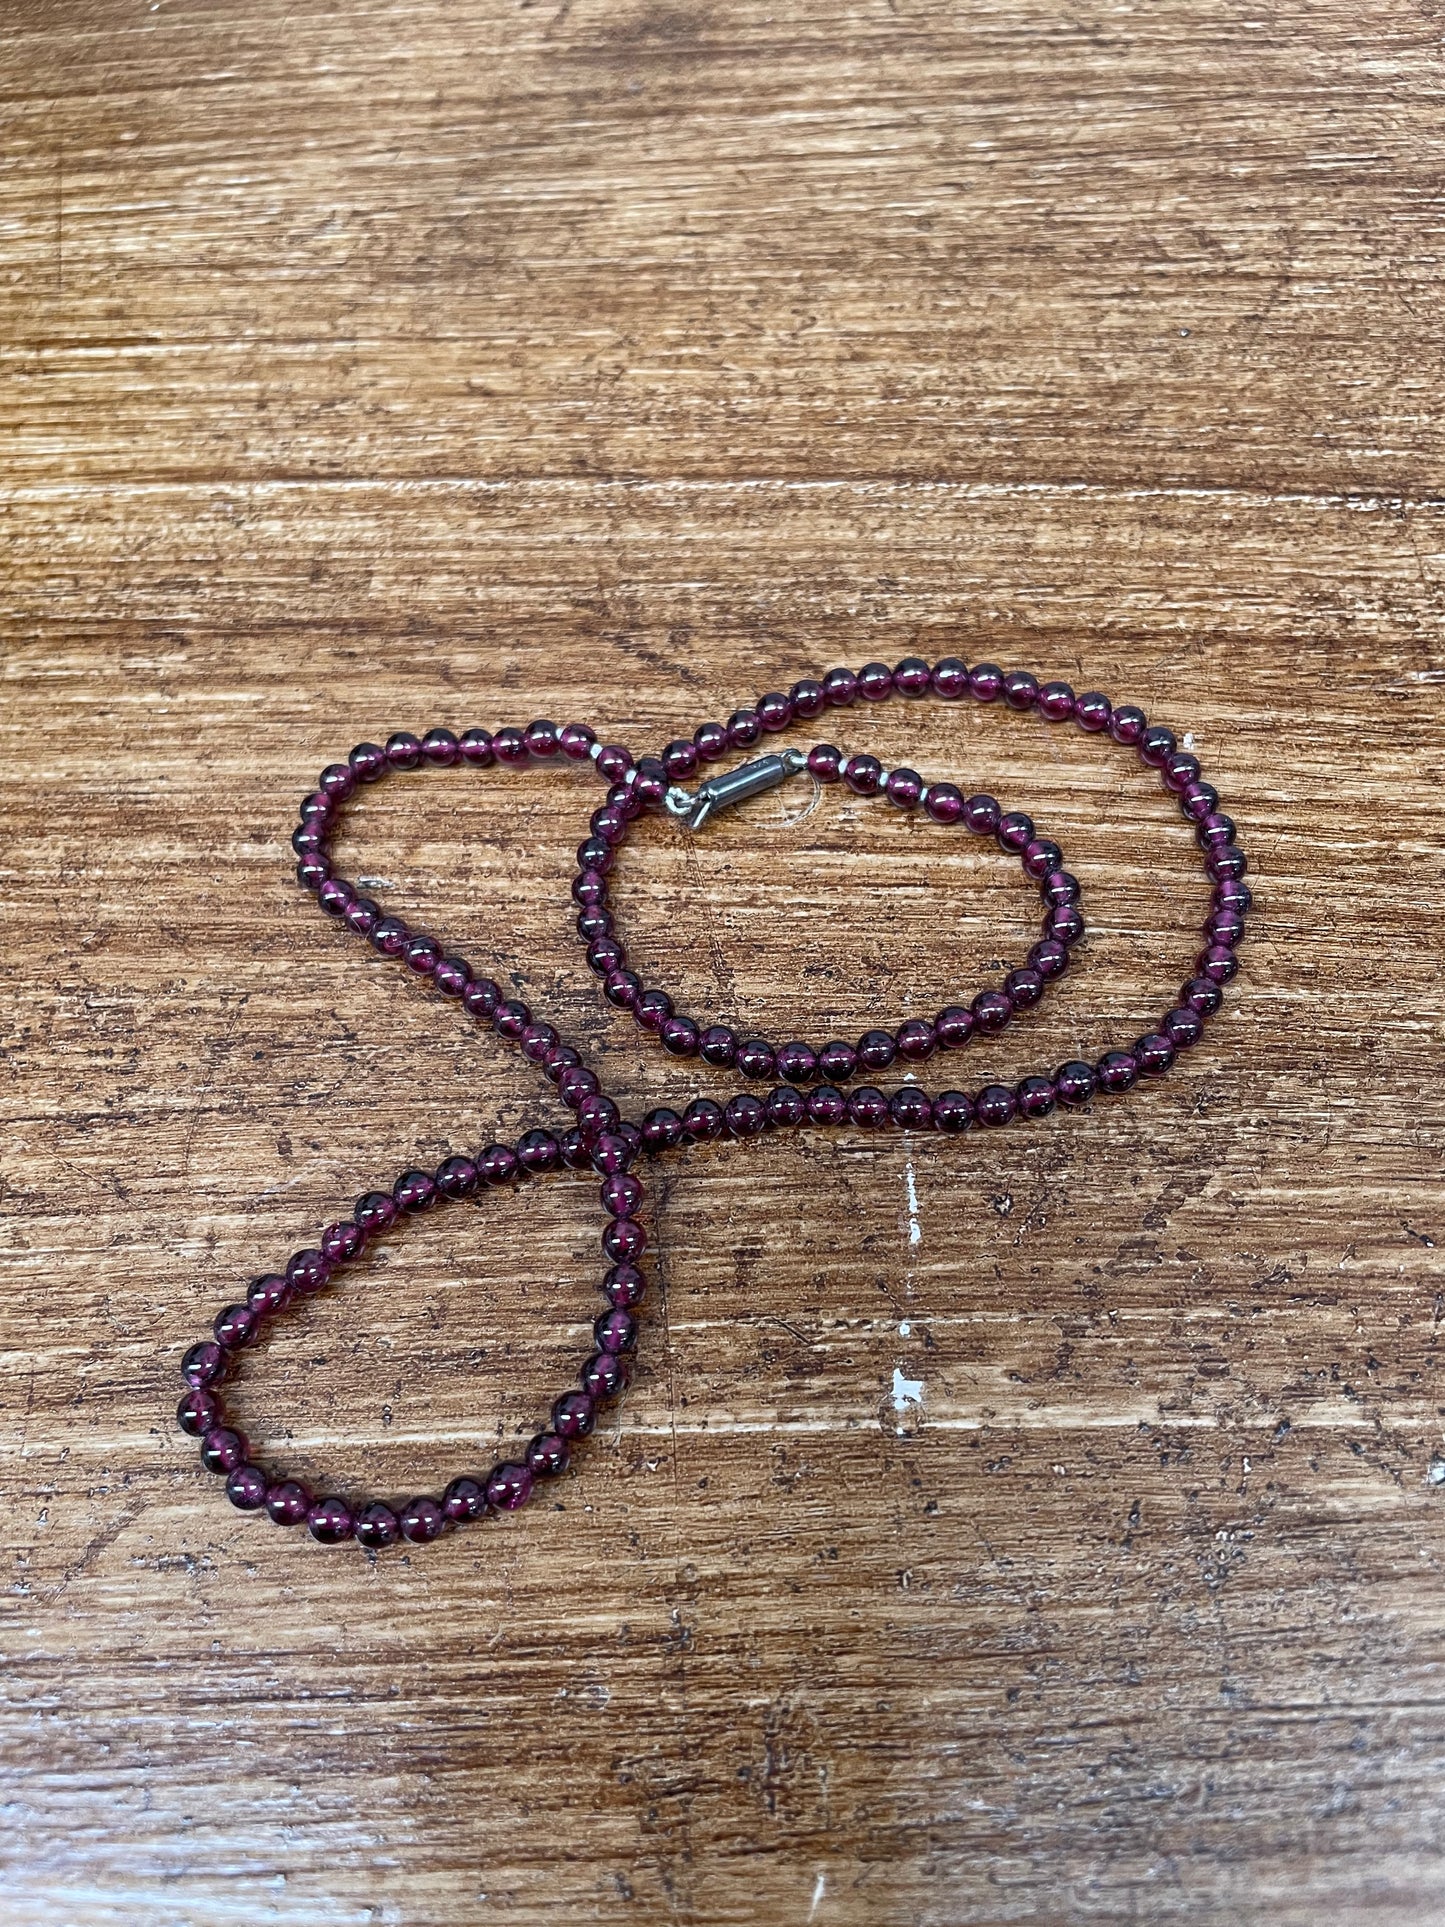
(916, 1040)
(1216, 961)
(1224, 927)
(680, 759)
(452, 976)
(1182, 1026)
(267, 1295)
(1198, 800)
(825, 761)
(1179, 771)
(711, 740)
(287, 1501)
(375, 1212)
(464, 1500)
(912, 677)
(475, 748)
(403, 750)
(1056, 702)
(837, 1061)
(827, 1105)
(605, 1374)
(910, 1110)
(198, 1413)
(390, 936)
(421, 1520)
(807, 699)
(362, 915)
(544, 739)
(1023, 988)
(775, 711)
(497, 1165)
(574, 1415)
(797, 1062)
(950, 678)
(981, 814)
(622, 988)
(246, 1488)
(440, 748)
(1064, 925)
(575, 741)
(330, 1521)
(718, 1046)
(745, 1115)
(338, 780)
(755, 1058)
(877, 1049)
(744, 728)
(621, 1194)
(1015, 832)
(1020, 689)
(1155, 1053)
(1050, 958)
(1059, 887)
(369, 762)
(786, 1107)
(992, 1010)
(1093, 711)
(680, 1036)
(1074, 1083)
(613, 762)
(1035, 1097)
(1203, 995)
(1127, 724)
(611, 1152)
(943, 802)
(415, 1191)
(312, 871)
(875, 682)
(624, 1240)
(623, 1286)
(994, 1105)
(1230, 893)
(868, 1108)
(840, 688)
(236, 1326)
(509, 746)
(1116, 1071)
(377, 1527)
(222, 1450)
(508, 1487)
(340, 1243)
(985, 682)
(1041, 858)
(308, 1270)
(952, 1111)
(548, 1455)
(863, 775)
(482, 999)
(652, 1009)
(616, 1331)
(953, 1027)
(204, 1364)
(1156, 745)
(661, 1130)
(703, 1120)
(904, 788)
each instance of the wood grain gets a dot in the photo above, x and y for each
(372, 365)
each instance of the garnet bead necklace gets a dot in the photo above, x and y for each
(811, 1083)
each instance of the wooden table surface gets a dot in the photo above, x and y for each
(1044, 1526)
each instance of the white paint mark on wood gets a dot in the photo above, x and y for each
(910, 1186)
(906, 1391)
(819, 1889)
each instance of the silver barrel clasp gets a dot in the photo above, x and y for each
(694, 807)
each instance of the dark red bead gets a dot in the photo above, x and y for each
(575, 1154)
(745, 1115)
(621, 1194)
(475, 748)
(1035, 1097)
(604, 955)
(994, 1105)
(616, 1331)
(652, 1009)
(1198, 800)
(440, 748)
(497, 1165)
(375, 1212)
(1179, 771)
(711, 740)
(1015, 832)
(661, 1130)
(1182, 1027)
(369, 761)
(868, 1108)
(605, 1374)
(1020, 689)
(307, 1270)
(863, 775)
(377, 1527)
(943, 802)
(611, 1152)
(306, 840)
(807, 699)
(330, 1520)
(825, 761)
(624, 1287)
(536, 1040)
(1093, 711)
(390, 936)
(840, 688)
(1217, 962)
(786, 1107)
(574, 1415)
(837, 1061)
(1127, 724)
(318, 808)
(912, 677)
(1050, 958)
(744, 728)
(199, 1412)
(287, 1501)
(624, 1240)
(236, 1326)
(1154, 1053)
(703, 1120)
(613, 762)
(1056, 702)
(548, 1455)
(827, 1105)
(985, 682)
(1202, 994)
(1041, 857)
(679, 1036)
(950, 678)
(982, 814)
(267, 1295)
(338, 780)
(312, 871)
(403, 750)
(511, 1018)
(797, 1062)
(952, 1111)
(340, 1243)
(1074, 1082)
(1064, 925)
(904, 788)
(421, 1520)
(916, 1040)
(544, 739)
(422, 954)
(775, 711)
(875, 682)
(718, 1046)
(680, 759)
(877, 1049)
(1059, 887)
(508, 1487)
(1116, 1071)
(538, 1151)
(622, 988)
(246, 1488)
(509, 746)
(1023, 988)
(204, 1364)
(222, 1450)
(992, 1009)
(755, 1058)
(910, 1110)
(953, 1027)
(415, 1191)
(452, 976)
(560, 1058)
(464, 1500)
(482, 999)
(575, 741)
(1156, 745)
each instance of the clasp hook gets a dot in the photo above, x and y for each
(694, 807)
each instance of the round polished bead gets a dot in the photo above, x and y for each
(414, 1191)
(307, 1270)
(605, 1374)
(482, 999)
(622, 988)
(1015, 832)
(312, 871)
(1074, 1082)
(362, 915)
(306, 839)
(464, 1500)
(875, 682)
(825, 762)
(1116, 1071)
(952, 1111)
(575, 741)
(604, 955)
(680, 1036)
(268, 1295)
(287, 1502)
(744, 728)
(1023, 988)
(1156, 745)
(452, 976)
(608, 823)
(369, 762)
(703, 1120)
(511, 1018)
(390, 936)
(236, 1326)
(985, 682)
(1064, 924)
(536, 1040)
(680, 759)
(548, 1455)
(377, 1527)
(1050, 958)
(827, 1105)
(786, 1107)
(1127, 724)
(616, 1331)
(904, 788)
(335, 897)
(1056, 702)
(1020, 689)
(440, 748)
(621, 1194)
(538, 1151)
(1059, 887)
(756, 1058)
(943, 802)
(1155, 1053)
(575, 1154)
(1041, 858)
(1217, 962)
(807, 698)
(222, 1450)
(458, 1177)
(422, 955)
(649, 781)
(950, 678)
(745, 1115)
(1035, 1097)
(624, 1286)
(330, 1520)
(994, 1105)
(868, 1108)
(1224, 926)
(652, 1009)
(953, 1027)
(1215, 831)
(661, 1130)
(403, 750)
(1179, 770)
(797, 1062)
(631, 1138)
(718, 1046)
(613, 762)
(1182, 1026)
(1093, 711)
(775, 711)
(421, 1520)
(840, 688)
(863, 775)
(992, 1009)
(1231, 893)
(560, 1058)
(338, 780)
(982, 814)
(837, 1061)
(574, 1415)
(912, 677)
(543, 738)
(909, 1109)
(711, 740)
(318, 809)
(198, 1413)
(509, 746)
(204, 1364)
(508, 1487)
(624, 1240)
(341, 1242)
(877, 1049)
(474, 746)
(497, 1165)
(916, 1040)
(1203, 995)
(246, 1488)
(611, 1152)
(375, 1212)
